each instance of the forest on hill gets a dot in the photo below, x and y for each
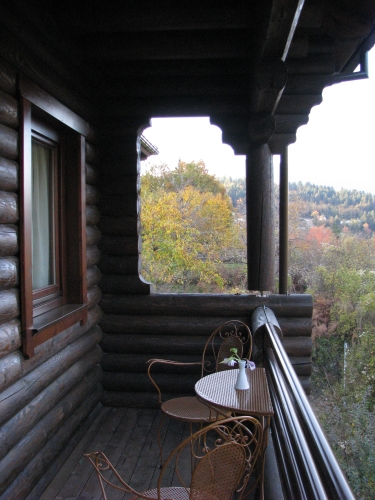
(194, 240)
(347, 208)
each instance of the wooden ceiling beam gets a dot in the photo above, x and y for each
(169, 46)
(145, 15)
(283, 22)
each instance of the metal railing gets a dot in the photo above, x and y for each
(308, 468)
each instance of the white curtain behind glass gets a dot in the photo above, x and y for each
(42, 242)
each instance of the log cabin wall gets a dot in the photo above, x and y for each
(176, 326)
(44, 400)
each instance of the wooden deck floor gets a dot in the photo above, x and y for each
(128, 437)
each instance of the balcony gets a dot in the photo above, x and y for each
(299, 461)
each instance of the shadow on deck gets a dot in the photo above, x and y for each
(128, 436)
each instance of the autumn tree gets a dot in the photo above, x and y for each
(187, 226)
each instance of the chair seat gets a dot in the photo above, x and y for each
(173, 493)
(190, 409)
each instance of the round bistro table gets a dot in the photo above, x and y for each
(217, 391)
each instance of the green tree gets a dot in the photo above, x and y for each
(187, 227)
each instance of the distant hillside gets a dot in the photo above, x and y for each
(345, 208)
(323, 203)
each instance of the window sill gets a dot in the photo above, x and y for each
(51, 323)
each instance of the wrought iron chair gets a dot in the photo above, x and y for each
(231, 334)
(225, 454)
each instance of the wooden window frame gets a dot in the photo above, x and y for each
(38, 326)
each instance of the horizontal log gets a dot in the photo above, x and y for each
(92, 255)
(93, 296)
(10, 369)
(296, 327)
(92, 235)
(92, 174)
(7, 79)
(8, 239)
(279, 142)
(9, 305)
(126, 185)
(134, 382)
(8, 110)
(306, 384)
(298, 104)
(57, 445)
(10, 337)
(92, 215)
(8, 272)
(92, 195)
(120, 265)
(8, 175)
(8, 208)
(296, 306)
(120, 226)
(93, 276)
(14, 366)
(126, 284)
(297, 346)
(303, 370)
(18, 395)
(25, 420)
(120, 206)
(304, 84)
(25, 449)
(92, 154)
(164, 325)
(323, 64)
(8, 143)
(288, 124)
(120, 245)
(159, 345)
(137, 363)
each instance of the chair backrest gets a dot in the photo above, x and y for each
(224, 453)
(218, 473)
(233, 333)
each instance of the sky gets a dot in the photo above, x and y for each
(336, 147)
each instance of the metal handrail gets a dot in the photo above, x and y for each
(310, 469)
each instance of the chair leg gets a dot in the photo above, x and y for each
(159, 441)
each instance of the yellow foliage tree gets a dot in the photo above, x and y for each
(187, 223)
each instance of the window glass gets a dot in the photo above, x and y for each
(43, 226)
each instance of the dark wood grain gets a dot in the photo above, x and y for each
(8, 175)
(93, 276)
(10, 337)
(92, 255)
(9, 209)
(8, 272)
(8, 239)
(92, 215)
(25, 465)
(18, 395)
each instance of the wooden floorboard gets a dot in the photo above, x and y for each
(129, 438)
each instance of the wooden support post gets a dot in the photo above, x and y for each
(260, 207)
(283, 222)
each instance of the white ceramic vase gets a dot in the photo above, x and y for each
(242, 382)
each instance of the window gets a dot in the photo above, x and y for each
(52, 201)
(46, 266)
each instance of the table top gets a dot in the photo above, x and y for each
(217, 389)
